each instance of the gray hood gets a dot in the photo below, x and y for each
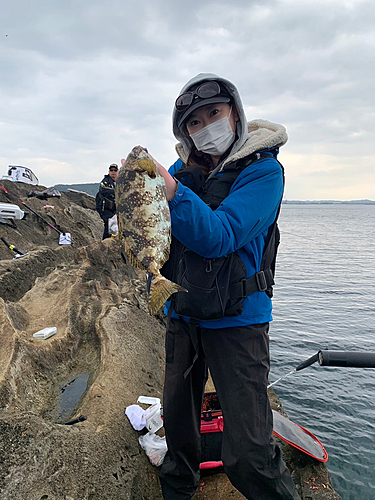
(252, 136)
(182, 135)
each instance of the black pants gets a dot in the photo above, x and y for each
(238, 359)
(106, 230)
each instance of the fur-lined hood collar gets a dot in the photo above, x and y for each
(262, 135)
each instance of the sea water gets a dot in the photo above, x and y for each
(324, 299)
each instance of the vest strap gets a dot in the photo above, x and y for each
(260, 282)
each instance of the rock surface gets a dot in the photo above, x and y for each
(99, 307)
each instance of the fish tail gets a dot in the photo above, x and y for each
(161, 290)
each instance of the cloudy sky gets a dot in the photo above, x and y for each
(82, 82)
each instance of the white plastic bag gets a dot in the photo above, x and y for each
(150, 418)
(155, 447)
(153, 415)
(112, 225)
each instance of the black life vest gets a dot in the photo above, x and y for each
(218, 286)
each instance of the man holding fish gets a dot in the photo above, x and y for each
(223, 196)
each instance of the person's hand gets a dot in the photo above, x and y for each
(170, 183)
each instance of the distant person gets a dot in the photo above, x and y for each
(105, 198)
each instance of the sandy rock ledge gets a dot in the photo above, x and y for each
(99, 307)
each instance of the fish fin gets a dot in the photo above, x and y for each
(133, 260)
(148, 165)
(161, 290)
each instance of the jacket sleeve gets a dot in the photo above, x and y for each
(175, 167)
(249, 209)
(97, 201)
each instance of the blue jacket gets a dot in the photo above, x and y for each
(239, 223)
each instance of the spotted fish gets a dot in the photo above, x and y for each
(144, 222)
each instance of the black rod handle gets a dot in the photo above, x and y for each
(17, 250)
(81, 418)
(347, 359)
(5, 242)
(12, 247)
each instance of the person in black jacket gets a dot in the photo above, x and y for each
(105, 198)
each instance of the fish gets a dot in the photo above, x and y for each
(144, 223)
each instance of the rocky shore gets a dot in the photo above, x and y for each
(98, 305)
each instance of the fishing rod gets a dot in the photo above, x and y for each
(346, 359)
(13, 196)
(18, 253)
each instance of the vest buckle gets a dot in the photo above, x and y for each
(261, 281)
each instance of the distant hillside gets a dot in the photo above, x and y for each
(91, 189)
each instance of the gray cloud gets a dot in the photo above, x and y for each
(84, 82)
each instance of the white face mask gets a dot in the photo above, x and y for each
(215, 138)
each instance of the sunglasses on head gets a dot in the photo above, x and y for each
(204, 91)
